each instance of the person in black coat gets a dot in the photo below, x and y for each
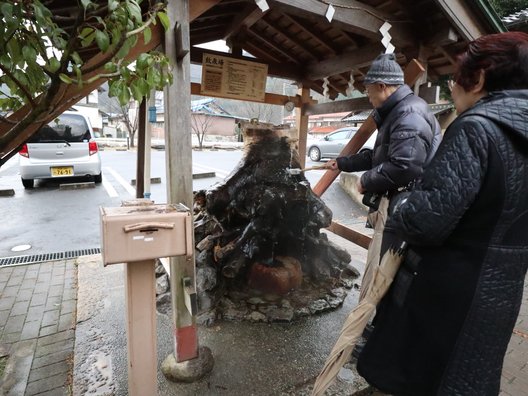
(408, 136)
(444, 326)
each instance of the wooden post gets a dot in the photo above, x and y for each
(411, 73)
(140, 291)
(301, 121)
(179, 168)
(140, 167)
(148, 148)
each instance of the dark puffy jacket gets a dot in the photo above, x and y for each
(444, 326)
(408, 135)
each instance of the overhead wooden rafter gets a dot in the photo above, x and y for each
(344, 62)
(461, 16)
(355, 17)
(244, 20)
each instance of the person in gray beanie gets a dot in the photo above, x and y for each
(408, 136)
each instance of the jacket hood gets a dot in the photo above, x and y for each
(508, 109)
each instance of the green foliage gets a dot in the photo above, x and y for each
(35, 52)
(508, 7)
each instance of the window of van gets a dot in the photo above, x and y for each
(68, 127)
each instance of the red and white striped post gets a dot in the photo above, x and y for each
(178, 149)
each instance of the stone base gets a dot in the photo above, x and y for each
(190, 370)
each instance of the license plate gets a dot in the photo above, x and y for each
(58, 171)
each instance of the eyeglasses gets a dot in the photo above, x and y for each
(450, 85)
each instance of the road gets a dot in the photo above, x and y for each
(51, 220)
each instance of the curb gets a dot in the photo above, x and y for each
(76, 186)
(8, 192)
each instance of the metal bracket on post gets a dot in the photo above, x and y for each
(181, 41)
(190, 296)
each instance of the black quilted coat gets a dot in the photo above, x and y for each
(408, 135)
(444, 326)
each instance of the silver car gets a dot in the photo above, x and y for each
(63, 148)
(331, 145)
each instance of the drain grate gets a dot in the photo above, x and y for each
(39, 258)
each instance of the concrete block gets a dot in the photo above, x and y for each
(20, 308)
(31, 330)
(76, 186)
(49, 371)
(60, 346)
(153, 180)
(7, 192)
(14, 324)
(203, 175)
(56, 337)
(46, 385)
(52, 358)
(45, 331)
(6, 302)
(50, 317)
(38, 299)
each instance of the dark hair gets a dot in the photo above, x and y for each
(502, 56)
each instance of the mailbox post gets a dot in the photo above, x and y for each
(137, 235)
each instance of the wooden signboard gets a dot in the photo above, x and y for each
(233, 78)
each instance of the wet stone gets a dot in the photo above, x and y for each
(339, 293)
(318, 306)
(163, 303)
(159, 268)
(255, 301)
(206, 318)
(205, 301)
(162, 284)
(256, 317)
(205, 278)
(334, 302)
(276, 314)
(189, 370)
(346, 375)
(348, 283)
(234, 313)
(351, 271)
(302, 312)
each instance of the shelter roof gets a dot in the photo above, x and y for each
(298, 42)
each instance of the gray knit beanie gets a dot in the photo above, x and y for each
(386, 70)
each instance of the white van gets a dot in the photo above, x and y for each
(65, 147)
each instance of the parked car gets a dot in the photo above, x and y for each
(65, 147)
(330, 145)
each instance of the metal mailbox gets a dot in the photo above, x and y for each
(136, 233)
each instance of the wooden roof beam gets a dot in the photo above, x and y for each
(199, 7)
(309, 32)
(355, 17)
(279, 31)
(340, 106)
(244, 20)
(260, 53)
(344, 62)
(273, 45)
(462, 18)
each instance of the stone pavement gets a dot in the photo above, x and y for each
(37, 328)
(42, 333)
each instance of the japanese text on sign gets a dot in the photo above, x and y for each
(233, 78)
